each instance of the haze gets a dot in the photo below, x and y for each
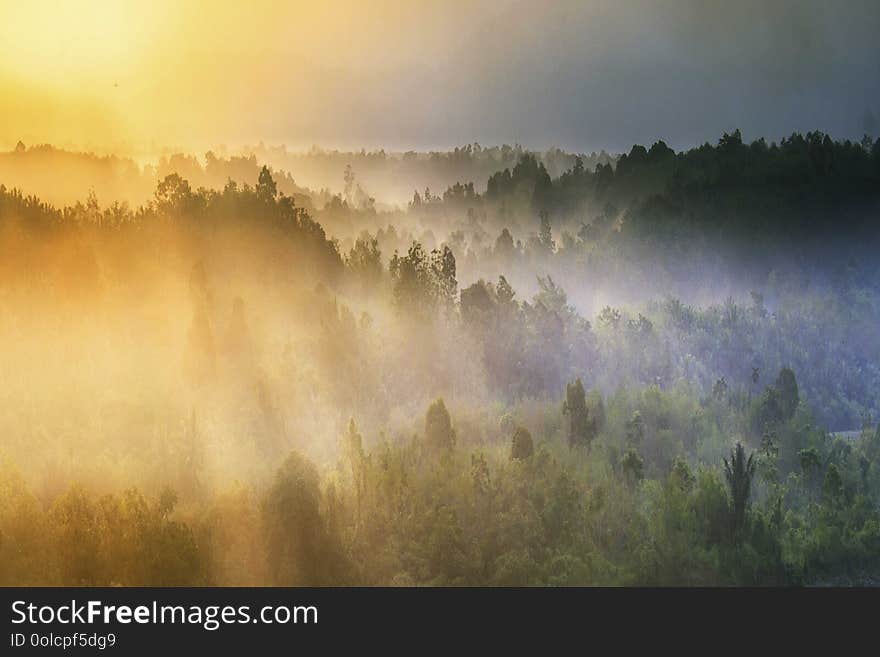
(437, 349)
(134, 78)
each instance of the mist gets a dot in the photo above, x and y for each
(459, 294)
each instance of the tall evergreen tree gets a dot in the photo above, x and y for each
(575, 407)
(439, 433)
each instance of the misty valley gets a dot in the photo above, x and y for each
(489, 366)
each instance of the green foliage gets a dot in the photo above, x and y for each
(424, 283)
(508, 514)
(809, 460)
(581, 430)
(632, 465)
(89, 540)
(739, 472)
(681, 476)
(655, 500)
(300, 547)
(635, 430)
(778, 403)
(832, 486)
(364, 261)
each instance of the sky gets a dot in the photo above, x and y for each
(132, 76)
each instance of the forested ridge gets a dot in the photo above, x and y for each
(624, 373)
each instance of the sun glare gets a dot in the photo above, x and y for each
(66, 44)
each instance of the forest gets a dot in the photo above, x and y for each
(483, 367)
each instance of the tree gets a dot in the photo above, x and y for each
(477, 303)
(504, 245)
(443, 274)
(609, 318)
(635, 430)
(504, 293)
(809, 460)
(633, 465)
(522, 446)
(349, 178)
(575, 407)
(174, 195)
(832, 486)
(739, 472)
(787, 386)
(681, 475)
(412, 281)
(811, 464)
(596, 410)
(480, 473)
(423, 282)
(364, 260)
(294, 528)
(545, 235)
(266, 188)
(354, 451)
(768, 455)
(719, 389)
(73, 516)
(439, 433)
(768, 411)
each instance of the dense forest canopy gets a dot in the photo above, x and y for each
(390, 177)
(541, 368)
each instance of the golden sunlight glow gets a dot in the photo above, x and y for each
(66, 66)
(67, 43)
(126, 76)
(109, 72)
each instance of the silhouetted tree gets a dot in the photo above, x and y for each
(522, 447)
(832, 486)
(439, 434)
(739, 472)
(575, 407)
(364, 261)
(295, 533)
(633, 466)
(266, 188)
(504, 247)
(789, 398)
